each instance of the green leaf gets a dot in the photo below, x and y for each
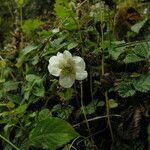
(91, 108)
(125, 89)
(31, 25)
(62, 9)
(35, 60)
(27, 50)
(142, 83)
(51, 133)
(143, 50)
(62, 112)
(66, 94)
(132, 58)
(136, 28)
(21, 109)
(115, 52)
(23, 53)
(70, 24)
(33, 78)
(10, 86)
(20, 3)
(36, 83)
(72, 45)
(10, 104)
(44, 114)
(113, 103)
(39, 91)
(2, 63)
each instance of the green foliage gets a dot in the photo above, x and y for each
(113, 103)
(116, 51)
(91, 108)
(6, 87)
(51, 133)
(129, 88)
(62, 112)
(141, 52)
(142, 83)
(66, 94)
(20, 3)
(34, 85)
(31, 25)
(137, 27)
(36, 112)
(125, 89)
(23, 54)
(65, 11)
(44, 114)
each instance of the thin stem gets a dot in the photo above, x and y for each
(102, 73)
(91, 87)
(2, 137)
(96, 118)
(71, 145)
(21, 24)
(82, 106)
(108, 115)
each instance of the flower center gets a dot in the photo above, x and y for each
(68, 68)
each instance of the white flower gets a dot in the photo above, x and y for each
(68, 68)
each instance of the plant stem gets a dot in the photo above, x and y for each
(108, 115)
(107, 102)
(2, 137)
(102, 73)
(21, 24)
(82, 106)
(91, 86)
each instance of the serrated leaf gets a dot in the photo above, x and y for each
(142, 83)
(115, 52)
(62, 112)
(126, 89)
(33, 78)
(141, 52)
(39, 91)
(91, 108)
(143, 49)
(136, 28)
(44, 114)
(51, 133)
(9, 86)
(132, 58)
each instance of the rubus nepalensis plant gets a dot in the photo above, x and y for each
(40, 111)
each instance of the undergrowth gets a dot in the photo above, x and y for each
(107, 110)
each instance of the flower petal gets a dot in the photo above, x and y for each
(66, 81)
(60, 58)
(54, 71)
(81, 75)
(67, 55)
(53, 66)
(79, 64)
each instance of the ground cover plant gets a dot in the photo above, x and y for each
(74, 74)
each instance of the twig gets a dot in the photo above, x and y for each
(96, 118)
